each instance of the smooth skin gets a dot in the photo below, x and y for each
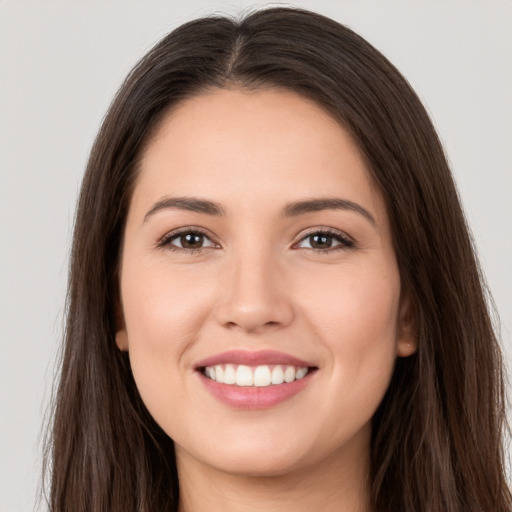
(322, 286)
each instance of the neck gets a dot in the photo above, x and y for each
(338, 484)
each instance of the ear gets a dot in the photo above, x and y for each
(407, 339)
(121, 334)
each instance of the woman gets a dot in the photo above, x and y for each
(273, 300)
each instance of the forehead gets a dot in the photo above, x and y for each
(266, 146)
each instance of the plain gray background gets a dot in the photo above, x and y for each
(61, 63)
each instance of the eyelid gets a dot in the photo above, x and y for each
(345, 241)
(164, 241)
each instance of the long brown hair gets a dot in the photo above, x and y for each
(437, 436)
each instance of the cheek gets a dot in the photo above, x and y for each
(163, 309)
(356, 320)
(354, 303)
(164, 313)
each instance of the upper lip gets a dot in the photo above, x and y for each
(253, 358)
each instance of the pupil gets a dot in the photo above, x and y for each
(321, 241)
(191, 241)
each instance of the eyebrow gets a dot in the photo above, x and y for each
(198, 205)
(191, 204)
(316, 205)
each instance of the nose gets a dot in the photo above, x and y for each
(254, 296)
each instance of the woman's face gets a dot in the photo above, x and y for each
(257, 249)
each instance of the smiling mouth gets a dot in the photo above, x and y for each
(255, 376)
(255, 380)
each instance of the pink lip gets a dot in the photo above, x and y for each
(253, 398)
(246, 357)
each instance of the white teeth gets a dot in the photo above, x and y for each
(244, 376)
(300, 373)
(289, 374)
(262, 376)
(259, 376)
(229, 374)
(277, 375)
(219, 373)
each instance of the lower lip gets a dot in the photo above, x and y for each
(254, 397)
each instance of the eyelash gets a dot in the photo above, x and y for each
(345, 242)
(165, 241)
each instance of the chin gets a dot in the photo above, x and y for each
(259, 464)
(245, 457)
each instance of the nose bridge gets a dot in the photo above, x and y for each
(254, 296)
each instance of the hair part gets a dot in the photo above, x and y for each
(437, 436)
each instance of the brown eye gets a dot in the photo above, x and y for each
(325, 241)
(191, 240)
(320, 241)
(187, 240)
